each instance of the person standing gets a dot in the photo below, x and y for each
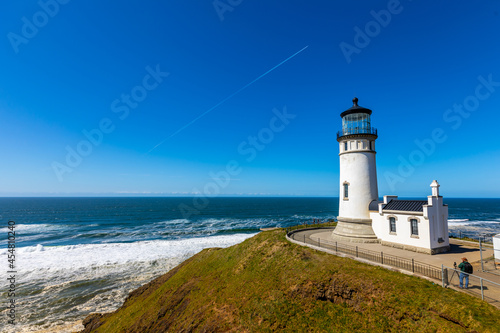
(465, 270)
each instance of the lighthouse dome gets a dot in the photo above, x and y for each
(355, 109)
(356, 120)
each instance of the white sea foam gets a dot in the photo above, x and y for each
(71, 257)
(234, 221)
(308, 217)
(175, 221)
(56, 281)
(466, 222)
(33, 228)
(60, 327)
(456, 222)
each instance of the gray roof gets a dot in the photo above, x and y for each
(406, 205)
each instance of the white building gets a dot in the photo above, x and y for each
(496, 247)
(417, 225)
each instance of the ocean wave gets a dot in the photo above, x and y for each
(33, 228)
(73, 257)
(467, 222)
(111, 232)
(174, 221)
(457, 222)
(228, 220)
(310, 217)
(260, 222)
(58, 327)
(75, 280)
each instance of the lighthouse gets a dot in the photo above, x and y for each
(358, 176)
(414, 225)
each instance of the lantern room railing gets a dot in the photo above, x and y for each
(356, 130)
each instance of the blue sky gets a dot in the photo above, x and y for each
(173, 94)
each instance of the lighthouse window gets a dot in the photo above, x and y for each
(346, 191)
(345, 146)
(356, 123)
(414, 227)
(392, 224)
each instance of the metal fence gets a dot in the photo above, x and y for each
(481, 287)
(379, 257)
(478, 286)
(486, 238)
(484, 241)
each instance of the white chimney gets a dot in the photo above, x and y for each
(435, 188)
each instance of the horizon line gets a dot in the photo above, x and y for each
(162, 195)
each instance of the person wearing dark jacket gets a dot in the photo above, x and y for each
(465, 269)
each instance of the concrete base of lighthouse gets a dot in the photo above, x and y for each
(354, 231)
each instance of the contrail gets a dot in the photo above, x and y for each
(225, 99)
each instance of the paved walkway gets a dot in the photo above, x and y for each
(458, 249)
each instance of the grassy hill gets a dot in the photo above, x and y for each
(268, 284)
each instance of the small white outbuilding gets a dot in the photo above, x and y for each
(496, 247)
(415, 225)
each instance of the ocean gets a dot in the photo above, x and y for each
(75, 256)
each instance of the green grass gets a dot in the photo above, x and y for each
(268, 284)
(330, 223)
(468, 239)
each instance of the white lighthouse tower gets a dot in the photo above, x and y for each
(358, 176)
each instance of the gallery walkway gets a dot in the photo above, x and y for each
(438, 267)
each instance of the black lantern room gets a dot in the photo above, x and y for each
(356, 120)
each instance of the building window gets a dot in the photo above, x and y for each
(414, 227)
(346, 190)
(345, 146)
(392, 224)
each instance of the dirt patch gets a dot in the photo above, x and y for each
(337, 290)
(450, 319)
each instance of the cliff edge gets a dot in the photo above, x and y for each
(269, 284)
